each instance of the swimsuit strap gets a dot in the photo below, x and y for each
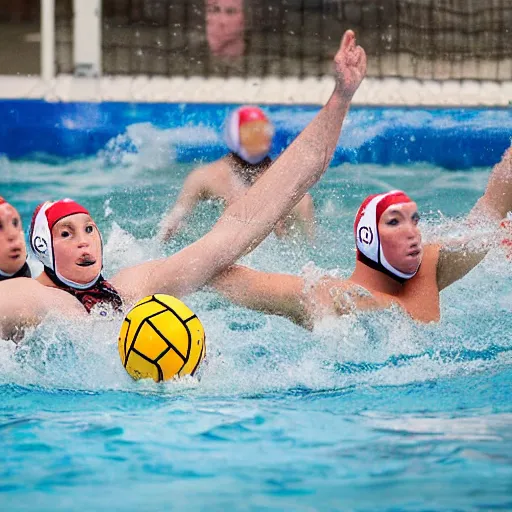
(378, 266)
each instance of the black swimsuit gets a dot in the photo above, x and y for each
(22, 272)
(102, 292)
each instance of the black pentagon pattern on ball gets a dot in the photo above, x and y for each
(169, 344)
(128, 330)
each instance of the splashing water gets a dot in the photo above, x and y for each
(367, 411)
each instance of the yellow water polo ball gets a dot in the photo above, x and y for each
(161, 338)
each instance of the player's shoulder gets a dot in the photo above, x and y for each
(22, 294)
(343, 296)
(20, 286)
(207, 175)
(213, 168)
(31, 290)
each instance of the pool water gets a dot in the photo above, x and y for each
(367, 412)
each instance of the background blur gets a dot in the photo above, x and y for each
(439, 39)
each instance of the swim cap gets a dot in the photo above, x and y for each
(234, 121)
(46, 215)
(2, 201)
(369, 249)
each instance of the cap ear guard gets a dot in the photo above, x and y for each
(367, 235)
(232, 132)
(41, 237)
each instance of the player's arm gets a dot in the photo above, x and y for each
(304, 214)
(192, 191)
(277, 294)
(289, 296)
(497, 199)
(24, 303)
(245, 223)
(457, 258)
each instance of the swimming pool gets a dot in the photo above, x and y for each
(368, 412)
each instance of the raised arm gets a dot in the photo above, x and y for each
(458, 258)
(250, 219)
(189, 196)
(497, 199)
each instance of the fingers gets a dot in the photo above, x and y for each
(361, 57)
(348, 41)
(363, 60)
(355, 57)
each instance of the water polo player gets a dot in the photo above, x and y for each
(13, 251)
(392, 265)
(248, 134)
(68, 243)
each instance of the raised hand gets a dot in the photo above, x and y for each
(349, 65)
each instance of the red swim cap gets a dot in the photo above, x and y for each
(249, 114)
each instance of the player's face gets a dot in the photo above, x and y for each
(77, 248)
(225, 17)
(13, 251)
(225, 27)
(256, 138)
(400, 237)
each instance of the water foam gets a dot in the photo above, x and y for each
(251, 353)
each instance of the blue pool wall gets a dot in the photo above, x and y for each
(452, 138)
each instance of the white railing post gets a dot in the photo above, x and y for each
(47, 39)
(87, 37)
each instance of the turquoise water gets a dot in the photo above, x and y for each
(368, 412)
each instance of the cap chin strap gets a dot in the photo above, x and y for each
(401, 275)
(59, 280)
(242, 153)
(379, 267)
